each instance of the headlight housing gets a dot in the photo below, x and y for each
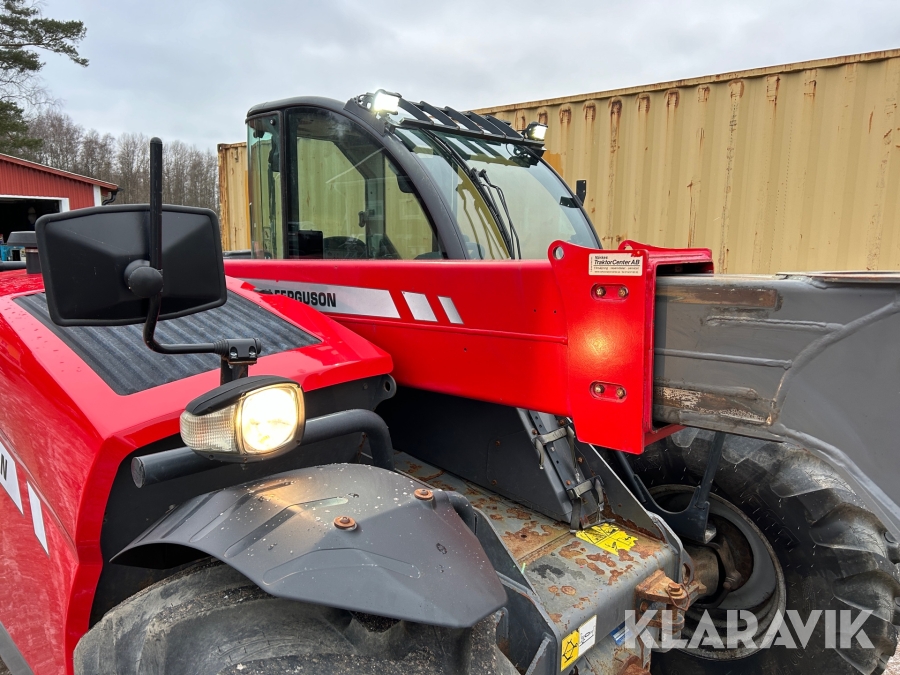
(248, 420)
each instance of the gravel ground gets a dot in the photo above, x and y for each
(893, 665)
(892, 669)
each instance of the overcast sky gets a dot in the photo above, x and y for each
(190, 69)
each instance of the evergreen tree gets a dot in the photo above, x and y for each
(14, 136)
(23, 31)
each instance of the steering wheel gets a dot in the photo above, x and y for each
(344, 248)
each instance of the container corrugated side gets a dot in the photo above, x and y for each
(234, 200)
(785, 168)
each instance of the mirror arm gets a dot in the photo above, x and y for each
(237, 355)
(150, 337)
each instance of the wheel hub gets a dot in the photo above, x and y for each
(749, 575)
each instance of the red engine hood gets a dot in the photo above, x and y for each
(46, 389)
(64, 433)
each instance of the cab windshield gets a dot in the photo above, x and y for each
(539, 205)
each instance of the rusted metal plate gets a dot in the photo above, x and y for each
(724, 296)
(585, 578)
(575, 579)
(871, 277)
(611, 659)
(784, 168)
(525, 533)
(744, 406)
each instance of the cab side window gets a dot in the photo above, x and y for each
(264, 188)
(348, 199)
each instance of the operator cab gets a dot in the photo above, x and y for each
(382, 178)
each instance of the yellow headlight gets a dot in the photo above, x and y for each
(270, 418)
(261, 423)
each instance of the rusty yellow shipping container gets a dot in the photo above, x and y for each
(793, 167)
(234, 200)
(787, 168)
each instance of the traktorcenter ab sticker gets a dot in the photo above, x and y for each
(615, 264)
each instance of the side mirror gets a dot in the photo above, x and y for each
(105, 267)
(96, 268)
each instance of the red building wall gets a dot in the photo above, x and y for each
(21, 178)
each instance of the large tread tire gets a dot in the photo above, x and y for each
(835, 553)
(210, 619)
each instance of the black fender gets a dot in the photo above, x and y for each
(400, 555)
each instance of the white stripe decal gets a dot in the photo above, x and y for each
(9, 478)
(339, 299)
(418, 305)
(450, 308)
(37, 518)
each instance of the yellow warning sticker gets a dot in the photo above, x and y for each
(608, 537)
(578, 642)
(569, 649)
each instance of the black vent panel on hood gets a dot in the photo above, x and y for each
(118, 353)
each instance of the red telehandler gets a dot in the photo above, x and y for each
(427, 425)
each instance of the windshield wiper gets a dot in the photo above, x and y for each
(480, 184)
(483, 174)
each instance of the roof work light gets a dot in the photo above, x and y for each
(385, 101)
(535, 131)
(248, 420)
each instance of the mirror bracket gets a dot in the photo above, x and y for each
(240, 355)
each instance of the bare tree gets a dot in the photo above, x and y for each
(61, 138)
(133, 168)
(98, 155)
(190, 175)
(175, 176)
